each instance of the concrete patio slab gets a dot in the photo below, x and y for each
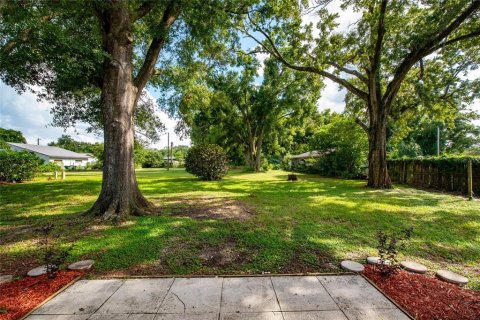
(384, 314)
(252, 316)
(302, 293)
(354, 292)
(83, 297)
(137, 296)
(344, 297)
(187, 316)
(315, 315)
(122, 317)
(59, 317)
(194, 295)
(249, 294)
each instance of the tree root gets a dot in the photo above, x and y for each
(118, 209)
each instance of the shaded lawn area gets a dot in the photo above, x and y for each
(246, 223)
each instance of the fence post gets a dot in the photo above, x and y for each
(469, 179)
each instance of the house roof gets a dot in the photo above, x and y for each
(309, 154)
(52, 152)
(87, 155)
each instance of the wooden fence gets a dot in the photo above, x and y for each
(439, 175)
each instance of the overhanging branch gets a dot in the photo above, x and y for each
(170, 14)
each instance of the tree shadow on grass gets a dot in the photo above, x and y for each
(299, 226)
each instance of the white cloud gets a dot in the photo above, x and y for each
(24, 113)
(332, 98)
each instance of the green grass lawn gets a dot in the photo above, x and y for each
(246, 223)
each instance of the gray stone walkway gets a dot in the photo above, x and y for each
(257, 298)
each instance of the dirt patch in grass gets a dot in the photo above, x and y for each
(310, 261)
(222, 255)
(207, 208)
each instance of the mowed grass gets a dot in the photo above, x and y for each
(304, 226)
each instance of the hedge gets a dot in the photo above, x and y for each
(17, 166)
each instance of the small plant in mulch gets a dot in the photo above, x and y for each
(53, 257)
(388, 245)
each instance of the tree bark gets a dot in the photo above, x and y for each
(258, 154)
(250, 154)
(120, 195)
(378, 176)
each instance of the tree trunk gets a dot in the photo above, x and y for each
(378, 176)
(258, 154)
(120, 195)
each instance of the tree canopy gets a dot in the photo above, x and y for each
(10, 135)
(373, 58)
(241, 110)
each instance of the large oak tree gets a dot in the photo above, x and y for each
(94, 59)
(373, 57)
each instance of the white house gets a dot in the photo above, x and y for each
(62, 157)
(91, 158)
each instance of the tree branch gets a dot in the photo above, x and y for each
(429, 45)
(356, 73)
(274, 52)
(475, 33)
(143, 10)
(375, 66)
(361, 124)
(170, 14)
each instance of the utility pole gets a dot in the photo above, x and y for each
(171, 152)
(438, 141)
(168, 151)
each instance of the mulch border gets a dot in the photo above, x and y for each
(51, 297)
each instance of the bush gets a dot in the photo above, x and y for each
(153, 159)
(18, 166)
(388, 245)
(53, 257)
(50, 167)
(344, 146)
(208, 162)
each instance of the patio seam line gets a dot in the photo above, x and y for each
(276, 296)
(123, 282)
(166, 294)
(346, 317)
(221, 299)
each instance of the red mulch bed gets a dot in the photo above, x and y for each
(21, 296)
(427, 298)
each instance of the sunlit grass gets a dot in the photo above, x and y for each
(296, 226)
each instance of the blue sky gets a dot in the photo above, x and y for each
(23, 112)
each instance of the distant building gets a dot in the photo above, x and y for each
(91, 158)
(65, 158)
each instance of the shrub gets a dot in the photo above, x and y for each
(53, 257)
(18, 166)
(344, 146)
(388, 245)
(207, 161)
(50, 167)
(153, 159)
